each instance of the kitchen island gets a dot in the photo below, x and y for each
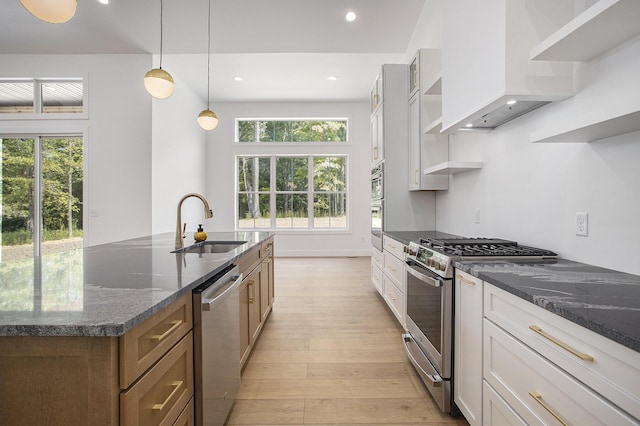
(101, 334)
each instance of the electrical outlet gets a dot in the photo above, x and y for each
(476, 218)
(582, 224)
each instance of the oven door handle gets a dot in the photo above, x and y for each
(435, 282)
(436, 381)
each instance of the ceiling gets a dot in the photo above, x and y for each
(283, 49)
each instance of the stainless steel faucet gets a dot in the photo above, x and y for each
(207, 214)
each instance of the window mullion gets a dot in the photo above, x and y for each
(37, 196)
(272, 192)
(310, 187)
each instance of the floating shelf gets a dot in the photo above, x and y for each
(599, 28)
(452, 167)
(434, 127)
(434, 87)
(613, 126)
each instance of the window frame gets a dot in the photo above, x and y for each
(310, 192)
(38, 114)
(236, 137)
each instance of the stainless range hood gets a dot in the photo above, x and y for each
(506, 112)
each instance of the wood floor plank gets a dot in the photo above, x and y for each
(331, 354)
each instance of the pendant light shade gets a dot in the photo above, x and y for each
(208, 119)
(52, 11)
(159, 83)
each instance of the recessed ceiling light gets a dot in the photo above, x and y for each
(236, 78)
(468, 125)
(104, 1)
(511, 102)
(332, 78)
(351, 16)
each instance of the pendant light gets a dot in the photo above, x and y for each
(208, 119)
(52, 11)
(157, 81)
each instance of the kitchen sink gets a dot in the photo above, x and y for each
(210, 247)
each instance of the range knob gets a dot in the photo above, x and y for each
(441, 266)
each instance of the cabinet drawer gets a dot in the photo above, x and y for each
(160, 396)
(495, 411)
(614, 371)
(537, 390)
(394, 267)
(267, 248)
(250, 260)
(187, 417)
(393, 246)
(377, 257)
(376, 277)
(394, 298)
(144, 344)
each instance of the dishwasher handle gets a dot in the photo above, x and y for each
(233, 282)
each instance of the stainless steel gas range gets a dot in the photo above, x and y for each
(430, 273)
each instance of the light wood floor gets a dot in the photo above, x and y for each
(331, 354)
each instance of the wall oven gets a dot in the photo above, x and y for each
(377, 205)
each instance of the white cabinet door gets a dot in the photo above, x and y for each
(495, 411)
(415, 172)
(467, 386)
(377, 137)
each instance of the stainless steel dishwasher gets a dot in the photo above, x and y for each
(216, 312)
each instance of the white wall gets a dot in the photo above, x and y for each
(117, 137)
(220, 172)
(179, 158)
(531, 192)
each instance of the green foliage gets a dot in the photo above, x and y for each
(292, 131)
(62, 165)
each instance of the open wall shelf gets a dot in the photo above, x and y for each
(599, 28)
(453, 167)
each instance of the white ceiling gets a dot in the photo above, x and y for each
(283, 49)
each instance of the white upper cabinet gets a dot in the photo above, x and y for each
(426, 148)
(486, 61)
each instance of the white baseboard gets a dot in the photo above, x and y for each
(322, 253)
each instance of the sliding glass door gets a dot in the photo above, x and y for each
(41, 195)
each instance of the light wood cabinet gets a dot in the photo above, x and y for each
(467, 387)
(101, 380)
(257, 292)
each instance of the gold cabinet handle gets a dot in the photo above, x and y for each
(252, 295)
(538, 398)
(415, 177)
(584, 357)
(375, 153)
(176, 386)
(464, 280)
(174, 325)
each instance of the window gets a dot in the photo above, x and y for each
(292, 192)
(295, 130)
(41, 195)
(38, 97)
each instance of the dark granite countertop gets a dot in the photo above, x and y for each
(107, 289)
(406, 236)
(602, 300)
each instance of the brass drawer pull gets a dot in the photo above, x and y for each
(464, 280)
(176, 386)
(174, 325)
(538, 398)
(252, 296)
(584, 357)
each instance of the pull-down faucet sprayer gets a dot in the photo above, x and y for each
(207, 214)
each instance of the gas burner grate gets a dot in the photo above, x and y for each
(484, 247)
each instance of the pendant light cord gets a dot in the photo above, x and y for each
(160, 34)
(209, 58)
